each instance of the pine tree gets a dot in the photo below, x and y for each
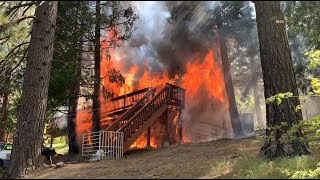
(30, 125)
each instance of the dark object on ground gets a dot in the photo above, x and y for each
(48, 153)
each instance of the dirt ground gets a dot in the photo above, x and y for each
(200, 160)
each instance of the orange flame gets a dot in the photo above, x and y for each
(129, 80)
(207, 73)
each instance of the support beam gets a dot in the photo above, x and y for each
(167, 121)
(180, 127)
(148, 137)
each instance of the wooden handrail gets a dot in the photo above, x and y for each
(134, 108)
(178, 95)
(126, 105)
(125, 101)
(130, 94)
(145, 112)
(146, 105)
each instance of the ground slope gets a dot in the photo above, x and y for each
(212, 159)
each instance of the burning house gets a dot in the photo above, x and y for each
(175, 92)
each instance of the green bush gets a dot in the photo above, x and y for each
(249, 166)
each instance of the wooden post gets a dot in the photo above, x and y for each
(180, 129)
(169, 96)
(148, 137)
(124, 103)
(167, 126)
(179, 126)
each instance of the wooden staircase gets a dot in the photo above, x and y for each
(141, 115)
(121, 104)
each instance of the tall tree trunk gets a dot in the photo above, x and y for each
(278, 76)
(255, 88)
(26, 153)
(73, 106)
(71, 124)
(5, 106)
(233, 110)
(73, 103)
(257, 104)
(97, 59)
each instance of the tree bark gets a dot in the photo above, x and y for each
(255, 88)
(233, 110)
(26, 153)
(73, 105)
(71, 124)
(5, 106)
(278, 76)
(257, 104)
(97, 59)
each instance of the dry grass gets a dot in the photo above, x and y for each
(213, 159)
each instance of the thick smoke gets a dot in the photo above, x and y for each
(168, 42)
(168, 45)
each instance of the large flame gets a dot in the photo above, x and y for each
(208, 74)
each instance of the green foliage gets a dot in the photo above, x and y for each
(315, 85)
(13, 110)
(305, 19)
(11, 37)
(75, 26)
(64, 77)
(245, 103)
(252, 166)
(13, 46)
(304, 174)
(314, 56)
(59, 144)
(304, 35)
(299, 107)
(310, 129)
(279, 97)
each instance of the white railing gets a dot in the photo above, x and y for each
(103, 144)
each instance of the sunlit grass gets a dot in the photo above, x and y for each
(60, 145)
(220, 169)
(257, 167)
(254, 166)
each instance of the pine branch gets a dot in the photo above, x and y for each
(26, 10)
(6, 39)
(13, 50)
(13, 69)
(17, 20)
(15, 8)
